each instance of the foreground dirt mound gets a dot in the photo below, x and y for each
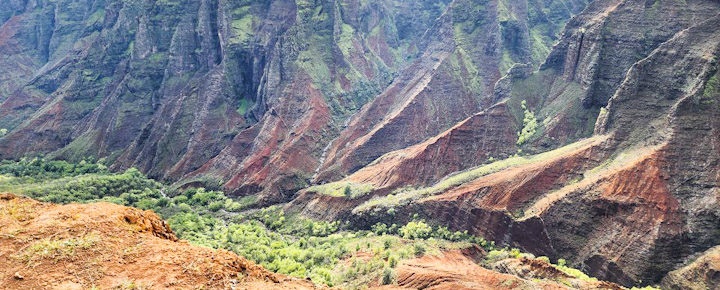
(108, 246)
(457, 269)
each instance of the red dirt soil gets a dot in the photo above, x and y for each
(80, 246)
(457, 270)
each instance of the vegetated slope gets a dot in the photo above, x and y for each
(627, 205)
(242, 93)
(562, 99)
(82, 246)
(328, 253)
(247, 94)
(468, 49)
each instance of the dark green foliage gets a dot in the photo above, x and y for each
(419, 250)
(281, 242)
(38, 168)
(388, 276)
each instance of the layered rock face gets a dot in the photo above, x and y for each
(241, 94)
(253, 96)
(626, 205)
(467, 51)
(704, 273)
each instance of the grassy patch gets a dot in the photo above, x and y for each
(405, 196)
(18, 210)
(345, 42)
(56, 249)
(343, 189)
(243, 106)
(241, 28)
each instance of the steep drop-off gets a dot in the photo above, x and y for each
(628, 204)
(238, 94)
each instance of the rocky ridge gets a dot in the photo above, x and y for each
(47, 246)
(575, 202)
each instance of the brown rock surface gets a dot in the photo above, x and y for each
(78, 246)
(457, 269)
(703, 273)
(629, 203)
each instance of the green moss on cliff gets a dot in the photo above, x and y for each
(241, 26)
(712, 87)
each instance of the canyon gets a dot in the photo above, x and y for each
(578, 130)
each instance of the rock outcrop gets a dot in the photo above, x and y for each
(243, 95)
(703, 273)
(625, 205)
(458, 270)
(46, 246)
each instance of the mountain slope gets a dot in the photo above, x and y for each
(46, 246)
(173, 86)
(246, 95)
(470, 48)
(626, 205)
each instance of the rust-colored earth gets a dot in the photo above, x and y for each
(108, 246)
(457, 270)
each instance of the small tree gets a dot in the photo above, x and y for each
(347, 191)
(3, 132)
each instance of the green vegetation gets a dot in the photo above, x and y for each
(3, 132)
(529, 125)
(56, 249)
(343, 189)
(241, 27)
(329, 253)
(712, 89)
(406, 195)
(243, 106)
(416, 230)
(712, 86)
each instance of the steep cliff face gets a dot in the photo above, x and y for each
(467, 51)
(246, 95)
(625, 205)
(171, 87)
(564, 97)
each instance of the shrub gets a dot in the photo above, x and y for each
(388, 276)
(496, 255)
(419, 250)
(416, 230)
(216, 205)
(392, 261)
(529, 125)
